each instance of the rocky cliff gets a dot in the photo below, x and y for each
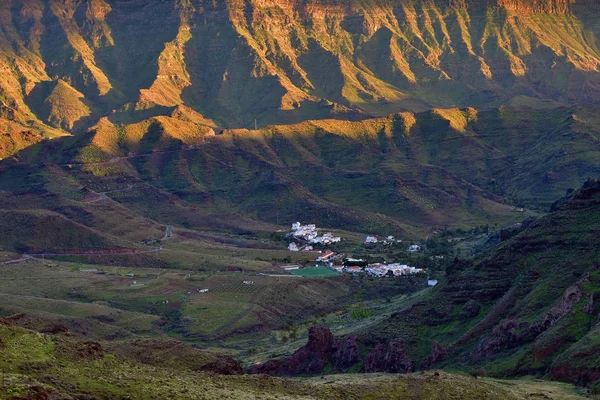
(324, 350)
(65, 64)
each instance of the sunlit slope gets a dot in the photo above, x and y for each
(65, 65)
(397, 174)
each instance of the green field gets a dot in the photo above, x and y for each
(317, 272)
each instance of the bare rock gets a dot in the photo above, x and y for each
(347, 353)
(438, 353)
(388, 359)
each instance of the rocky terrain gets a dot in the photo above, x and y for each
(201, 64)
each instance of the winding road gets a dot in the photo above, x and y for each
(168, 233)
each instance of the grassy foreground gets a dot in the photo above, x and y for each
(36, 366)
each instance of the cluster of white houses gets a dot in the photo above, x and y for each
(380, 270)
(377, 270)
(390, 240)
(387, 240)
(309, 235)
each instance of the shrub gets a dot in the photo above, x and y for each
(478, 373)
(595, 391)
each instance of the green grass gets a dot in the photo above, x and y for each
(315, 272)
(64, 365)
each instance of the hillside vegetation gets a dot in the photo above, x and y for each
(402, 174)
(528, 306)
(58, 365)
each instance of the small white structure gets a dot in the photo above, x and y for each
(381, 270)
(293, 247)
(327, 255)
(414, 248)
(355, 260)
(370, 240)
(378, 270)
(248, 282)
(432, 282)
(202, 290)
(296, 226)
(390, 238)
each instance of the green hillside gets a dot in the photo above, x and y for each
(38, 365)
(526, 307)
(402, 174)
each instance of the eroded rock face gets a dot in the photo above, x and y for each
(347, 353)
(172, 53)
(309, 359)
(438, 353)
(571, 297)
(388, 359)
(323, 349)
(504, 336)
(513, 333)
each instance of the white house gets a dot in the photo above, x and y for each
(327, 255)
(432, 282)
(296, 226)
(371, 239)
(414, 248)
(293, 247)
(355, 260)
(378, 270)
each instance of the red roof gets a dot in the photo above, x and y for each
(328, 253)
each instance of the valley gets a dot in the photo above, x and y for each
(444, 154)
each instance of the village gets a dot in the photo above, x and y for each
(308, 235)
(304, 238)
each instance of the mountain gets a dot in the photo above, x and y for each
(67, 64)
(400, 175)
(529, 306)
(153, 154)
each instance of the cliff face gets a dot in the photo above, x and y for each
(285, 61)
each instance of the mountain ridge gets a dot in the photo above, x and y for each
(239, 63)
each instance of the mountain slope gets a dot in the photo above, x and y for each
(237, 62)
(529, 306)
(401, 174)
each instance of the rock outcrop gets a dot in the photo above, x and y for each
(391, 358)
(438, 353)
(309, 359)
(347, 353)
(324, 349)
